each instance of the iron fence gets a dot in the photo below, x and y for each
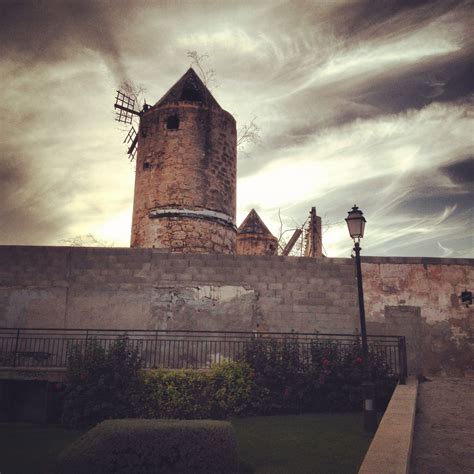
(50, 348)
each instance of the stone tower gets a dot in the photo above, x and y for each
(185, 184)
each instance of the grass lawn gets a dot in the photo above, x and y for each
(27, 448)
(293, 444)
(299, 444)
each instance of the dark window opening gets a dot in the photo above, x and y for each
(191, 94)
(146, 165)
(172, 123)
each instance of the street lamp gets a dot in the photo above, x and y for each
(356, 225)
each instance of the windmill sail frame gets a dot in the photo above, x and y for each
(125, 108)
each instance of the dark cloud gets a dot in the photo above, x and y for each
(50, 30)
(363, 19)
(461, 171)
(430, 201)
(442, 79)
(26, 214)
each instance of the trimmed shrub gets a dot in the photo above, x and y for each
(183, 393)
(220, 392)
(233, 388)
(150, 446)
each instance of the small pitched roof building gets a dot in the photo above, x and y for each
(254, 238)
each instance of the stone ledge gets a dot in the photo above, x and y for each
(390, 449)
(419, 260)
(46, 252)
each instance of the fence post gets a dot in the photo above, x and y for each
(402, 358)
(16, 346)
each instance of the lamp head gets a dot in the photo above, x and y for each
(356, 223)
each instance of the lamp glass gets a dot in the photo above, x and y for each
(356, 223)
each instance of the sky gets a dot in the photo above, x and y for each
(356, 101)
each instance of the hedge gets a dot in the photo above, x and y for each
(150, 446)
(272, 377)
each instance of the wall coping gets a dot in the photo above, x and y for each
(390, 450)
(273, 258)
(420, 260)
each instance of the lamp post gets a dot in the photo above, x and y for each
(356, 224)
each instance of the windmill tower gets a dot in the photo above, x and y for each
(185, 182)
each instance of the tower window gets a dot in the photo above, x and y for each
(146, 165)
(172, 123)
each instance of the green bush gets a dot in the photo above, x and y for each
(233, 388)
(279, 375)
(100, 383)
(319, 376)
(220, 392)
(181, 393)
(150, 446)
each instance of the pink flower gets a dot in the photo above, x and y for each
(359, 360)
(326, 362)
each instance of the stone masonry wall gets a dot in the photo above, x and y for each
(64, 287)
(61, 287)
(192, 235)
(256, 244)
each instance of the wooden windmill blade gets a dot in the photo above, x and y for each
(132, 140)
(125, 108)
(291, 243)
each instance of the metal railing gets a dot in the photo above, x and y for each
(50, 348)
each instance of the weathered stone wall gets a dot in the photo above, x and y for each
(191, 169)
(181, 234)
(256, 244)
(150, 289)
(419, 298)
(61, 287)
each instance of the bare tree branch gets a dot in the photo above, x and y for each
(135, 91)
(207, 74)
(248, 133)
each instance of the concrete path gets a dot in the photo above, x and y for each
(444, 427)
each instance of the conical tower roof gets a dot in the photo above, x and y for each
(191, 88)
(253, 224)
